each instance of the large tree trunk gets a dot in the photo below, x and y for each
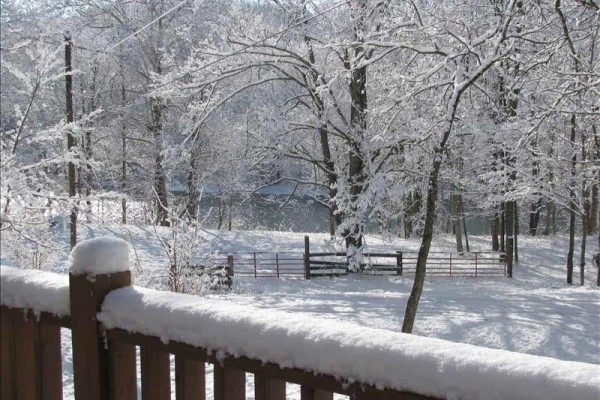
(335, 218)
(432, 190)
(358, 121)
(415, 294)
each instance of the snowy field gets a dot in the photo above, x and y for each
(535, 312)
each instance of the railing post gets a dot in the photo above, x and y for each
(475, 264)
(7, 349)
(49, 358)
(451, 264)
(98, 266)
(308, 393)
(306, 257)
(156, 374)
(229, 383)
(190, 379)
(268, 389)
(277, 263)
(399, 263)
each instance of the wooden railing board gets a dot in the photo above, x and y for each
(156, 373)
(190, 379)
(269, 370)
(122, 370)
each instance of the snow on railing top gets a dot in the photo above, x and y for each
(380, 357)
(36, 290)
(103, 255)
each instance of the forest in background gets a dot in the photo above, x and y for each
(394, 114)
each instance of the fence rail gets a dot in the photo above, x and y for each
(473, 264)
(307, 264)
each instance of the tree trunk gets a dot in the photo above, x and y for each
(550, 228)
(495, 227)
(123, 151)
(516, 244)
(160, 181)
(464, 224)
(415, 294)
(358, 121)
(502, 226)
(534, 216)
(593, 216)
(230, 212)
(510, 229)
(456, 220)
(89, 173)
(583, 244)
(70, 139)
(421, 269)
(192, 182)
(572, 205)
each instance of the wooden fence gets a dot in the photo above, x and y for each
(104, 360)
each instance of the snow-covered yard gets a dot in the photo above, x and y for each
(535, 312)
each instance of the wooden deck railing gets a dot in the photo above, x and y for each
(104, 355)
(104, 360)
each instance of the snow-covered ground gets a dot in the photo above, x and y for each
(535, 312)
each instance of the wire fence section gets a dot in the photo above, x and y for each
(472, 264)
(295, 264)
(263, 264)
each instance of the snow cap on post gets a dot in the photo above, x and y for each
(103, 255)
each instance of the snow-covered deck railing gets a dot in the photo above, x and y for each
(109, 318)
(349, 353)
(38, 291)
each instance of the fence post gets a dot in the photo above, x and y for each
(306, 257)
(277, 263)
(399, 262)
(451, 264)
(475, 264)
(230, 265)
(254, 264)
(89, 283)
